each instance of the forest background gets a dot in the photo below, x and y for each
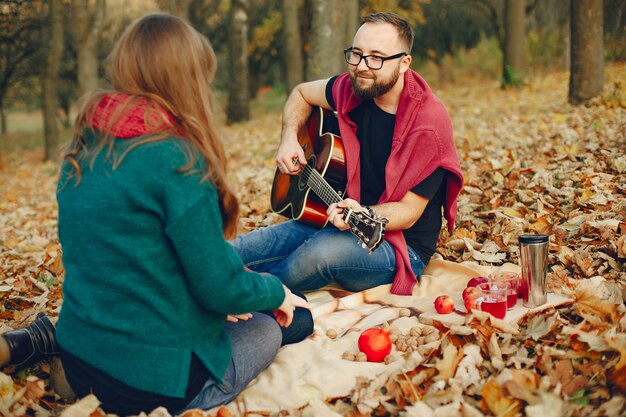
(536, 92)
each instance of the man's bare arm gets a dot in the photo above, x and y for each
(401, 214)
(297, 110)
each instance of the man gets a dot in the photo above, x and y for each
(400, 161)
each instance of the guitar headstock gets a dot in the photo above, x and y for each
(369, 230)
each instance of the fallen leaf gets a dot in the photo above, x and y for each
(448, 364)
(497, 402)
(550, 406)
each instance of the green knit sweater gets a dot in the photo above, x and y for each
(149, 277)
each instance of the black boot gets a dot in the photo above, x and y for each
(33, 342)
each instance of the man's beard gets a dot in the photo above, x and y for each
(377, 89)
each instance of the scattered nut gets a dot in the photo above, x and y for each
(393, 337)
(431, 338)
(348, 355)
(385, 326)
(424, 349)
(426, 330)
(412, 341)
(405, 312)
(389, 359)
(331, 333)
(361, 357)
(395, 330)
(416, 331)
(421, 340)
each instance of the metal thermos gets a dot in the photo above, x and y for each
(534, 263)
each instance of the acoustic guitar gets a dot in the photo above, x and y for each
(322, 182)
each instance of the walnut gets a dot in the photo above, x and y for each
(416, 331)
(389, 359)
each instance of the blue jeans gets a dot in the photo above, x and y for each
(307, 258)
(255, 343)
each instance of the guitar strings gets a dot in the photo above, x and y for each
(326, 189)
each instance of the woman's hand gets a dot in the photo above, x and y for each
(234, 318)
(284, 313)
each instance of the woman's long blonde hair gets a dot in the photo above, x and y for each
(162, 61)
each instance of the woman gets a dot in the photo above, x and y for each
(157, 303)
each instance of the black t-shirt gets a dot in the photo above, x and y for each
(375, 132)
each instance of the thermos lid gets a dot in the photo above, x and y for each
(533, 239)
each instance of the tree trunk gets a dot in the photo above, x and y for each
(325, 32)
(514, 42)
(88, 27)
(350, 9)
(50, 81)
(587, 65)
(293, 44)
(349, 12)
(3, 119)
(238, 98)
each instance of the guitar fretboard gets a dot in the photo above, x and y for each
(323, 190)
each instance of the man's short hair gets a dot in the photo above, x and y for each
(402, 26)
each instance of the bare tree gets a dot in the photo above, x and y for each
(325, 31)
(350, 9)
(587, 66)
(88, 22)
(239, 91)
(293, 44)
(514, 42)
(50, 80)
(20, 26)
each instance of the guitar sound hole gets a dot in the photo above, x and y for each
(304, 176)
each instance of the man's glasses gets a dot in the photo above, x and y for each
(373, 62)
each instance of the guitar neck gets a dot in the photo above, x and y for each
(320, 187)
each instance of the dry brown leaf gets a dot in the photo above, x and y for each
(496, 400)
(35, 388)
(570, 382)
(550, 406)
(448, 364)
(523, 385)
(588, 302)
(541, 325)
(495, 354)
(83, 408)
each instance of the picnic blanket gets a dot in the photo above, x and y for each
(309, 373)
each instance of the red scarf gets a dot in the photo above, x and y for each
(422, 142)
(143, 119)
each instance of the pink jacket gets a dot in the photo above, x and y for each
(422, 142)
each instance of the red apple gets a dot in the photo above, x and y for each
(470, 291)
(444, 304)
(375, 343)
(470, 301)
(477, 281)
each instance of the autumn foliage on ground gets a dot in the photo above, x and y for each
(532, 163)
